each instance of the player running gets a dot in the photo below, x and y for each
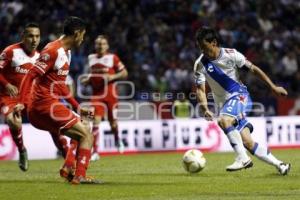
(219, 67)
(46, 112)
(105, 68)
(15, 62)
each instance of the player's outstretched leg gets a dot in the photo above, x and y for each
(262, 152)
(83, 154)
(15, 127)
(242, 160)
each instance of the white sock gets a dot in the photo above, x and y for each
(236, 142)
(265, 155)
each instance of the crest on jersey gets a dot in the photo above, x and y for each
(230, 63)
(45, 57)
(3, 56)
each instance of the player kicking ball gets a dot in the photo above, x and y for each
(47, 112)
(219, 67)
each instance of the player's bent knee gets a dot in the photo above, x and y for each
(225, 122)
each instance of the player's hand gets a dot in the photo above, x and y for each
(280, 91)
(17, 111)
(11, 90)
(108, 77)
(208, 115)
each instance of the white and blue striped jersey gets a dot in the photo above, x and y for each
(221, 74)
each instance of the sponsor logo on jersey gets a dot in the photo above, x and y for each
(62, 72)
(41, 64)
(22, 70)
(210, 68)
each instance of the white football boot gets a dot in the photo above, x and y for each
(284, 168)
(239, 164)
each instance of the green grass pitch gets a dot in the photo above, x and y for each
(153, 176)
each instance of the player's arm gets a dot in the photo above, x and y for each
(200, 90)
(201, 97)
(39, 68)
(279, 91)
(67, 95)
(5, 60)
(241, 61)
(25, 85)
(123, 74)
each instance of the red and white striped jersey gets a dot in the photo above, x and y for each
(15, 64)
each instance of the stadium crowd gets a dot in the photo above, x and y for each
(155, 38)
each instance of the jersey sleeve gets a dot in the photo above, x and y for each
(241, 60)
(46, 61)
(118, 65)
(5, 58)
(198, 75)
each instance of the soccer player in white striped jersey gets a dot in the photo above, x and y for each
(219, 68)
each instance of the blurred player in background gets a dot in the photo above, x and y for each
(219, 67)
(15, 62)
(104, 69)
(46, 112)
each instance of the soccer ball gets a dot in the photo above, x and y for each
(193, 161)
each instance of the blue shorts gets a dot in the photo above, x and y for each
(238, 107)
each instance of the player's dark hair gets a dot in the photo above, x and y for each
(30, 25)
(72, 24)
(208, 34)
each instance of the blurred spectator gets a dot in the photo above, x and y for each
(155, 37)
(290, 65)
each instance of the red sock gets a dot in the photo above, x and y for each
(61, 143)
(18, 138)
(96, 137)
(71, 154)
(83, 160)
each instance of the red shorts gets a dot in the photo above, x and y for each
(7, 105)
(54, 118)
(104, 106)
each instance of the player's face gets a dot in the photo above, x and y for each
(31, 38)
(79, 36)
(207, 48)
(101, 45)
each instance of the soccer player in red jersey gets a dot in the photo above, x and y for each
(104, 68)
(15, 62)
(46, 112)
